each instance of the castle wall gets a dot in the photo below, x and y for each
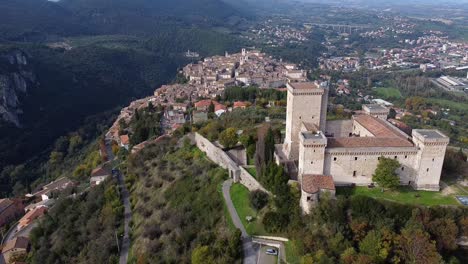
(323, 110)
(249, 181)
(220, 157)
(339, 128)
(356, 166)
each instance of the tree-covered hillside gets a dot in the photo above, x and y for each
(81, 229)
(178, 207)
(42, 20)
(116, 51)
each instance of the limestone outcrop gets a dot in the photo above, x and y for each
(16, 77)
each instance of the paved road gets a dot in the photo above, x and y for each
(264, 258)
(12, 232)
(249, 248)
(127, 217)
(282, 249)
(125, 245)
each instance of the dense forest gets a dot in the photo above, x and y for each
(82, 229)
(82, 85)
(363, 230)
(178, 207)
(42, 20)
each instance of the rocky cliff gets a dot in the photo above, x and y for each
(16, 77)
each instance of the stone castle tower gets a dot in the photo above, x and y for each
(306, 105)
(429, 160)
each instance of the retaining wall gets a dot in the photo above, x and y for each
(218, 156)
(249, 181)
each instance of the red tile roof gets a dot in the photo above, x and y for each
(100, 171)
(377, 126)
(124, 139)
(240, 104)
(313, 183)
(384, 135)
(220, 107)
(31, 216)
(363, 142)
(204, 103)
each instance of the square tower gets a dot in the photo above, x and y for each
(307, 103)
(430, 158)
(311, 153)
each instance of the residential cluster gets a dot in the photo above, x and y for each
(250, 67)
(277, 35)
(205, 81)
(346, 64)
(26, 211)
(18, 216)
(428, 53)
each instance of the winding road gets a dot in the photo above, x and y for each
(125, 245)
(127, 217)
(249, 248)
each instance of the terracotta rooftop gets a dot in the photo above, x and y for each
(204, 103)
(313, 183)
(303, 85)
(31, 216)
(363, 142)
(100, 171)
(240, 104)
(125, 139)
(16, 243)
(220, 107)
(59, 183)
(376, 126)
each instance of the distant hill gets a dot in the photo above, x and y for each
(40, 20)
(32, 19)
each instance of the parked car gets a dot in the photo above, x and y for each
(271, 251)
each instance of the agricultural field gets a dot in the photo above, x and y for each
(388, 93)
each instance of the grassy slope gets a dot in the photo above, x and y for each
(252, 171)
(405, 195)
(240, 198)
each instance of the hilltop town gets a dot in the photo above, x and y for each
(208, 79)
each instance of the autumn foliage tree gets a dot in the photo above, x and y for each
(416, 247)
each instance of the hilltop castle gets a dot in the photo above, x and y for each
(323, 154)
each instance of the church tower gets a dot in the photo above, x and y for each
(306, 107)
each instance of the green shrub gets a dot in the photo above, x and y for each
(258, 199)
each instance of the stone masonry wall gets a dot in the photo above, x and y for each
(218, 156)
(250, 182)
(339, 128)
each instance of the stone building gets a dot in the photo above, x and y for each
(346, 152)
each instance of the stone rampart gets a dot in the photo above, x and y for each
(220, 157)
(249, 181)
